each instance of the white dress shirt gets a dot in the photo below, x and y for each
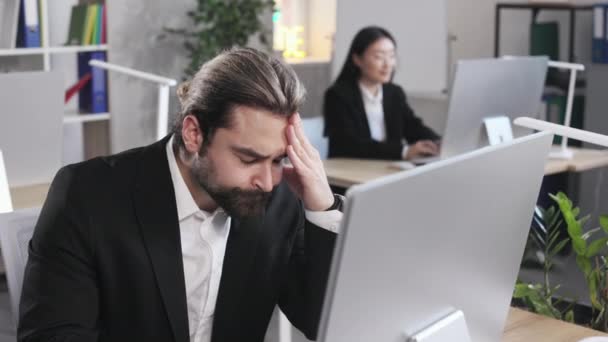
(374, 111)
(204, 236)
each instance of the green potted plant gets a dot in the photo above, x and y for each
(589, 247)
(221, 24)
(544, 243)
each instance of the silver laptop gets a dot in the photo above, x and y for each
(486, 88)
(416, 244)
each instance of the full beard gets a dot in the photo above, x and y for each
(235, 201)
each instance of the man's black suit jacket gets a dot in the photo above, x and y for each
(105, 261)
(347, 127)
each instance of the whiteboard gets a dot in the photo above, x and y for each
(420, 29)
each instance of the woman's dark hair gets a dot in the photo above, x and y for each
(363, 39)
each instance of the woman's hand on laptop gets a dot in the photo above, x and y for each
(422, 148)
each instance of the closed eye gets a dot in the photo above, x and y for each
(249, 161)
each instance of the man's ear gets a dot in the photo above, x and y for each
(192, 134)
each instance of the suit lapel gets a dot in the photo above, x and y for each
(391, 121)
(359, 112)
(238, 264)
(156, 211)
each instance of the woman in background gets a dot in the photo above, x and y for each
(366, 115)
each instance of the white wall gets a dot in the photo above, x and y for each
(472, 21)
(137, 40)
(419, 27)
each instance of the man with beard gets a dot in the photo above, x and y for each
(198, 236)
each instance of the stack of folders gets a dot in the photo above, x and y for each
(600, 33)
(19, 24)
(87, 25)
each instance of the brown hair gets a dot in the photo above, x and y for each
(239, 76)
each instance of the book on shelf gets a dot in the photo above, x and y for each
(76, 88)
(87, 24)
(77, 20)
(104, 25)
(93, 97)
(99, 24)
(599, 47)
(28, 35)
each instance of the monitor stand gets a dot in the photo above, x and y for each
(452, 327)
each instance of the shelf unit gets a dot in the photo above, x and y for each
(73, 117)
(95, 125)
(52, 50)
(572, 9)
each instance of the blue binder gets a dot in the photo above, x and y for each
(28, 35)
(93, 98)
(600, 34)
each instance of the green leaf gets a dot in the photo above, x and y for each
(543, 308)
(554, 218)
(569, 316)
(553, 238)
(539, 239)
(573, 226)
(590, 232)
(604, 223)
(595, 247)
(593, 284)
(579, 245)
(523, 290)
(584, 220)
(584, 265)
(559, 247)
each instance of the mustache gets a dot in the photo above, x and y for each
(250, 195)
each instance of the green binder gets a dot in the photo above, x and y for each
(544, 40)
(78, 17)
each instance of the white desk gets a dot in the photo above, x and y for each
(344, 172)
(521, 326)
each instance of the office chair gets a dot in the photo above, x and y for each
(16, 229)
(313, 128)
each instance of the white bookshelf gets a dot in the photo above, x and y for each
(91, 135)
(73, 117)
(52, 50)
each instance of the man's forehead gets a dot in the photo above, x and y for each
(252, 116)
(259, 130)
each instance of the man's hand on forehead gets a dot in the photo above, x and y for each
(306, 176)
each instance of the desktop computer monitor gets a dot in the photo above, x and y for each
(6, 205)
(484, 88)
(31, 126)
(447, 235)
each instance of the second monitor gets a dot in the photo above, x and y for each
(485, 88)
